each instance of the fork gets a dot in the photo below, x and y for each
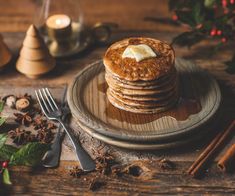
(52, 157)
(53, 112)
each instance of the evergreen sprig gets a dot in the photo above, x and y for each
(206, 19)
(2, 119)
(28, 155)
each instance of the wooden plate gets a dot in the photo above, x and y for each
(89, 105)
(149, 145)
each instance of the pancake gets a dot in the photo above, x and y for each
(125, 91)
(147, 69)
(157, 97)
(141, 83)
(141, 75)
(145, 104)
(140, 110)
(158, 85)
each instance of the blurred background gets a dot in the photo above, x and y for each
(128, 14)
(150, 18)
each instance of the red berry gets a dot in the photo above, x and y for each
(213, 32)
(232, 1)
(219, 32)
(224, 3)
(225, 11)
(174, 17)
(5, 164)
(223, 40)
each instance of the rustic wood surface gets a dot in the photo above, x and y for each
(15, 18)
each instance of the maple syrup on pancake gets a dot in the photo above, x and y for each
(186, 106)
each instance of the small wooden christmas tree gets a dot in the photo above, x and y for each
(34, 59)
(5, 54)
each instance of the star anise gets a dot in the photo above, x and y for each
(40, 123)
(21, 136)
(51, 125)
(35, 110)
(104, 163)
(45, 136)
(23, 119)
(166, 164)
(77, 172)
(96, 184)
(117, 171)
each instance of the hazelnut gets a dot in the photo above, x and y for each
(22, 104)
(11, 101)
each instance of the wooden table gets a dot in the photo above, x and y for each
(15, 17)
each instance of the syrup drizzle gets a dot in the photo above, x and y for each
(187, 105)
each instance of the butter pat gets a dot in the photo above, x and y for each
(138, 52)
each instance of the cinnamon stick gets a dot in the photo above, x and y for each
(227, 162)
(205, 157)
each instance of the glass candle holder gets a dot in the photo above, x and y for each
(60, 23)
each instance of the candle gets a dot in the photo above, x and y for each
(58, 21)
(59, 26)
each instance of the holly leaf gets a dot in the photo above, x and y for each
(179, 4)
(3, 138)
(6, 151)
(188, 38)
(207, 26)
(197, 13)
(186, 16)
(192, 16)
(1, 106)
(6, 177)
(162, 20)
(2, 120)
(231, 66)
(173, 4)
(29, 155)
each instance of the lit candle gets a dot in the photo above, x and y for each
(59, 26)
(58, 21)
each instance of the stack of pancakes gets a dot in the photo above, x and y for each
(147, 86)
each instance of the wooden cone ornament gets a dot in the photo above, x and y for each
(5, 54)
(34, 59)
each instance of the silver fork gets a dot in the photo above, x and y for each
(52, 157)
(53, 112)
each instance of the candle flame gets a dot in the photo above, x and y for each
(58, 22)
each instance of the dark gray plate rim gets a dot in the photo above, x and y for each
(149, 145)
